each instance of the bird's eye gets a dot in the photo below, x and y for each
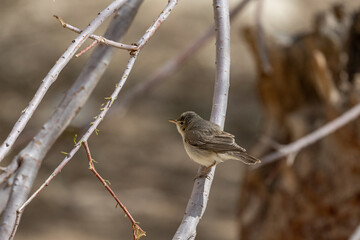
(181, 122)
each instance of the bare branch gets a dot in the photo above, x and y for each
(32, 156)
(222, 77)
(137, 231)
(53, 75)
(87, 48)
(311, 138)
(201, 190)
(169, 67)
(152, 29)
(98, 38)
(93, 128)
(85, 137)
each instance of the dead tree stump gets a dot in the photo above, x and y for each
(315, 78)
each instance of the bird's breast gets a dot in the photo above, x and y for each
(200, 156)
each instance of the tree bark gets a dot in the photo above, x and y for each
(315, 194)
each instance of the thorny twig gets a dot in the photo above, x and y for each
(137, 231)
(110, 100)
(53, 75)
(98, 38)
(32, 155)
(85, 137)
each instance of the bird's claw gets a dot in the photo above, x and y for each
(202, 175)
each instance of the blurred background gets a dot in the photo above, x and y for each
(140, 153)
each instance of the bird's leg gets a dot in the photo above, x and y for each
(205, 172)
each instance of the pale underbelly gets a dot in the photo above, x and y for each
(202, 157)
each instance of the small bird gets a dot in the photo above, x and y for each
(206, 144)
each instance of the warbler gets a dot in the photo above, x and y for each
(207, 144)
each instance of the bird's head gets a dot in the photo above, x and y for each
(185, 120)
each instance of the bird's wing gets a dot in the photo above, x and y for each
(214, 141)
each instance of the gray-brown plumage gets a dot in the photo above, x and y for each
(206, 143)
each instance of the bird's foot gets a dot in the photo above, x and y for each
(203, 175)
(205, 172)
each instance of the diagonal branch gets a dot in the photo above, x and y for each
(110, 100)
(30, 158)
(93, 44)
(200, 194)
(53, 75)
(169, 67)
(313, 137)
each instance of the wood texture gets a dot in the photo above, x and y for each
(317, 196)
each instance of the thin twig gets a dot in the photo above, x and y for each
(313, 137)
(260, 39)
(87, 48)
(152, 29)
(137, 231)
(98, 38)
(32, 155)
(53, 75)
(110, 100)
(169, 67)
(201, 190)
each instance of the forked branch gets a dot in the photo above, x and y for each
(110, 100)
(53, 75)
(171, 65)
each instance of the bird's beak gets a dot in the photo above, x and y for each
(172, 121)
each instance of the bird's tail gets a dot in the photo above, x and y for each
(245, 158)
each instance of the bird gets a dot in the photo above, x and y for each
(207, 144)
